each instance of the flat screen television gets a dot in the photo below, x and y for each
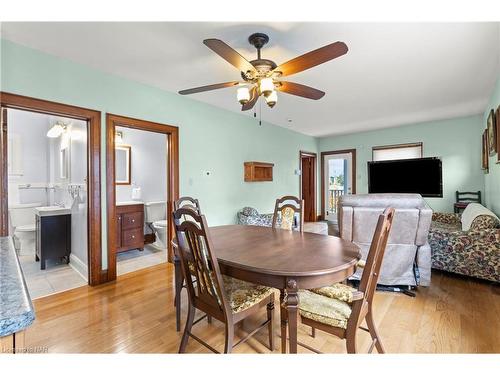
(422, 176)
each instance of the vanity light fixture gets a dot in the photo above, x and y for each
(118, 137)
(56, 130)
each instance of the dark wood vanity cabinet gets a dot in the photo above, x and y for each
(129, 227)
(53, 238)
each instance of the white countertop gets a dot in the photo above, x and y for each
(52, 211)
(128, 203)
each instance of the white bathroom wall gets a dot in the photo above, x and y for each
(28, 130)
(75, 142)
(148, 165)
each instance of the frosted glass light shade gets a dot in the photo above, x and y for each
(243, 95)
(272, 98)
(55, 131)
(266, 86)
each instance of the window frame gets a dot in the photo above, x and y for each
(399, 145)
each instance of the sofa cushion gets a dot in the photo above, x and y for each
(404, 227)
(443, 227)
(384, 200)
(472, 211)
(483, 222)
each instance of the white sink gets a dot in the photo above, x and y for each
(128, 203)
(52, 211)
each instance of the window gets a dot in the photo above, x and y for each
(401, 151)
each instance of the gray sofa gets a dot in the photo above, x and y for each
(408, 244)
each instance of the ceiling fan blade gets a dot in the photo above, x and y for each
(300, 90)
(208, 87)
(229, 54)
(253, 99)
(313, 58)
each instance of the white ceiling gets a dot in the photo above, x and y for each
(393, 73)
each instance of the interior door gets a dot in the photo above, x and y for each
(338, 180)
(308, 176)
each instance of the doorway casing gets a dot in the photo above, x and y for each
(172, 135)
(93, 118)
(309, 216)
(351, 151)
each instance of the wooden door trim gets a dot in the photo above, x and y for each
(172, 133)
(303, 154)
(93, 118)
(351, 151)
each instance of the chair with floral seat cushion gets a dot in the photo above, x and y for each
(340, 317)
(288, 213)
(224, 298)
(193, 204)
(339, 291)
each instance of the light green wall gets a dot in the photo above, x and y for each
(492, 179)
(211, 139)
(456, 141)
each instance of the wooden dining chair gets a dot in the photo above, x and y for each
(285, 211)
(340, 309)
(226, 299)
(193, 204)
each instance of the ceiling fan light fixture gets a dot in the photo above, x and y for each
(243, 95)
(266, 86)
(272, 99)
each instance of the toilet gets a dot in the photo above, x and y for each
(155, 217)
(22, 223)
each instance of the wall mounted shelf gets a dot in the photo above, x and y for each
(256, 171)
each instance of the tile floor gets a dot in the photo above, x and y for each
(57, 277)
(134, 260)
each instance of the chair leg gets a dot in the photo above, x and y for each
(187, 329)
(283, 319)
(179, 281)
(313, 332)
(373, 331)
(270, 325)
(209, 319)
(229, 336)
(351, 341)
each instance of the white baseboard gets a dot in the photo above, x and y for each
(78, 266)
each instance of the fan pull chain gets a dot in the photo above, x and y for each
(260, 112)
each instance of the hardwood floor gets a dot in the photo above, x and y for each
(136, 315)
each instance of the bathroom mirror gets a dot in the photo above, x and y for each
(122, 165)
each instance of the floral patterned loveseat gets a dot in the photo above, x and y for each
(473, 252)
(250, 216)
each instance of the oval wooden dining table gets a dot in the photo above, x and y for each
(285, 260)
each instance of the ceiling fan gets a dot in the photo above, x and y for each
(262, 77)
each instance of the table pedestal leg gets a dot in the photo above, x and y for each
(283, 321)
(292, 312)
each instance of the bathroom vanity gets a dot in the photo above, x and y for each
(53, 234)
(130, 226)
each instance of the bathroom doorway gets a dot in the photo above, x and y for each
(142, 182)
(49, 205)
